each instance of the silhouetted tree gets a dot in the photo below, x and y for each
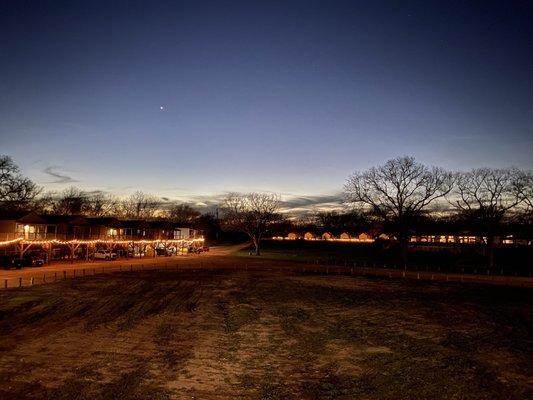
(526, 193)
(43, 203)
(182, 214)
(139, 206)
(485, 197)
(337, 223)
(101, 204)
(251, 214)
(69, 202)
(208, 223)
(397, 192)
(16, 191)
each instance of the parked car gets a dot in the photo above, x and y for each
(33, 261)
(163, 252)
(8, 262)
(104, 255)
(202, 249)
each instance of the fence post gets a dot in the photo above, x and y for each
(6, 283)
(31, 281)
(20, 282)
(55, 276)
(131, 267)
(64, 274)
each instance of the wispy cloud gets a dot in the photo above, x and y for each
(58, 175)
(301, 205)
(291, 205)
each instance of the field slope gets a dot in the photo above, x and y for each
(236, 334)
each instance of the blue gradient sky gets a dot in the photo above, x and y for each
(279, 96)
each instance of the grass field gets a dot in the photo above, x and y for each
(509, 260)
(236, 334)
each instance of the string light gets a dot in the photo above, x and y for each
(104, 241)
(8, 242)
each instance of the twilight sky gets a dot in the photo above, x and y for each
(189, 100)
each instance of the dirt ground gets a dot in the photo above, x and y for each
(239, 333)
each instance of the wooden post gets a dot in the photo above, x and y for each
(20, 282)
(6, 283)
(31, 281)
(64, 274)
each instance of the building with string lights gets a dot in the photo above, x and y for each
(56, 237)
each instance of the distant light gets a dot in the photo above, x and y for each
(161, 108)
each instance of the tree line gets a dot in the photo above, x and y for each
(398, 195)
(20, 193)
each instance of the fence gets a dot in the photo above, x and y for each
(41, 277)
(318, 268)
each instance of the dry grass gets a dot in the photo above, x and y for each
(229, 334)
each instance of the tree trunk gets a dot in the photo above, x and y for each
(490, 252)
(257, 246)
(403, 252)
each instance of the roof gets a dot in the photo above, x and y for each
(65, 219)
(137, 223)
(28, 217)
(161, 225)
(105, 221)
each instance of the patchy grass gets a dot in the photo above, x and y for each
(240, 334)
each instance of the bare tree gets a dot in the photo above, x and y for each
(486, 196)
(101, 204)
(251, 214)
(182, 214)
(44, 202)
(16, 191)
(398, 192)
(139, 206)
(71, 201)
(526, 193)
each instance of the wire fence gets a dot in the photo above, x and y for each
(318, 268)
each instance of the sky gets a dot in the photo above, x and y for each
(191, 100)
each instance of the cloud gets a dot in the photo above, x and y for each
(60, 177)
(301, 205)
(291, 205)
